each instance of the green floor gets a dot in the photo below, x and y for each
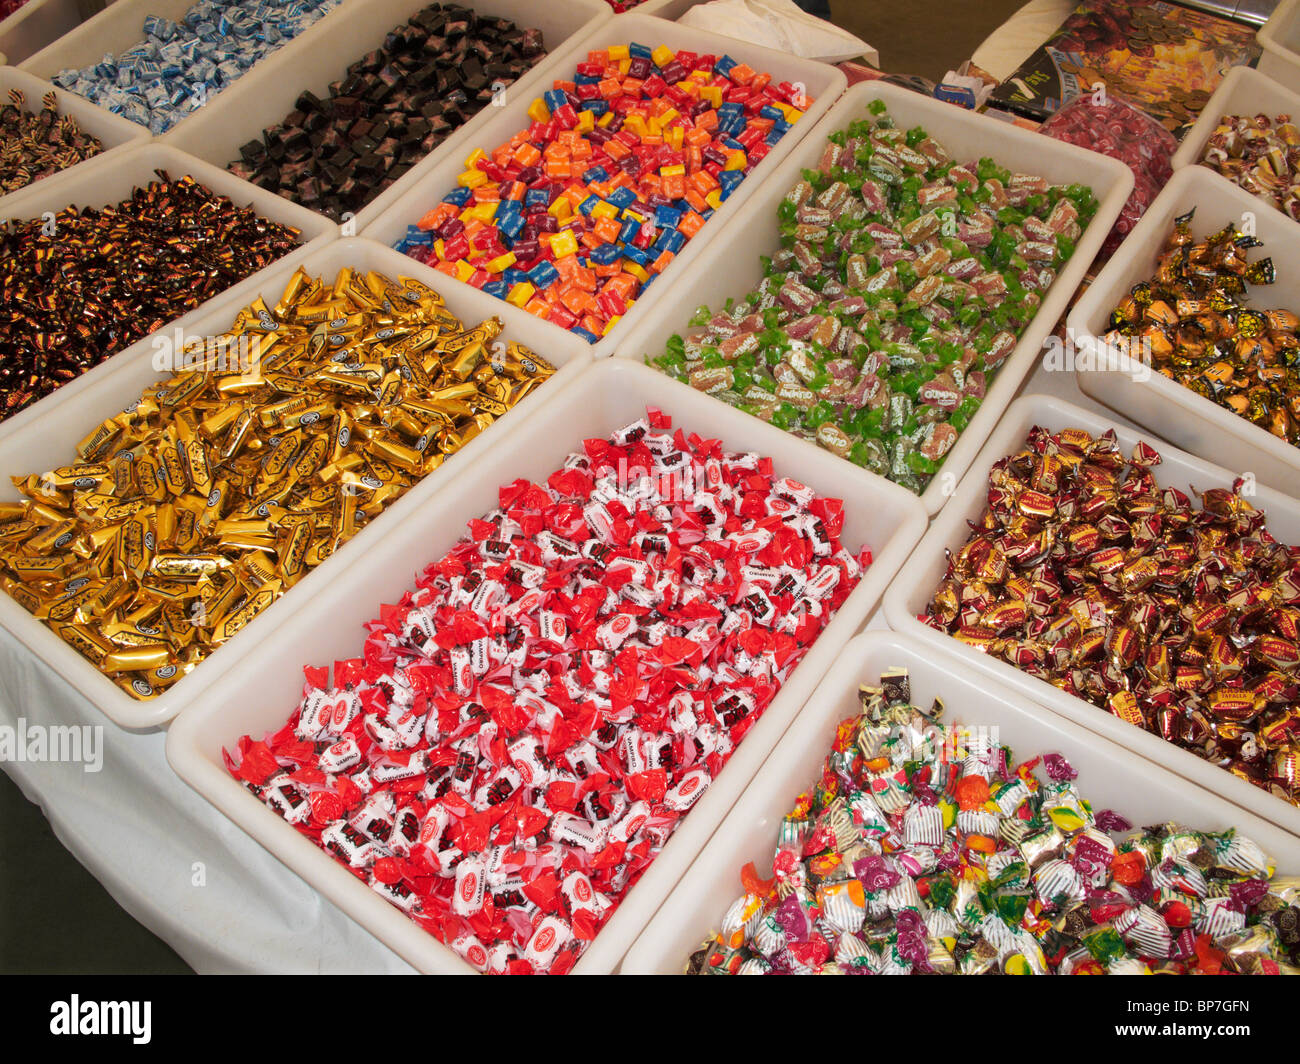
(54, 917)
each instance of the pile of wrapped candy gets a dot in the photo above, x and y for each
(1261, 154)
(36, 144)
(179, 65)
(1108, 125)
(1185, 622)
(391, 108)
(1190, 323)
(574, 216)
(903, 282)
(81, 284)
(181, 519)
(523, 731)
(925, 849)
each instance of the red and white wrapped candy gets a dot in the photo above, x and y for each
(522, 732)
(1118, 129)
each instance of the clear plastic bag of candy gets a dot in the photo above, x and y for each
(1101, 122)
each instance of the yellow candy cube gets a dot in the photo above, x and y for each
(618, 52)
(586, 121)
(472, 179)
(662, 56)
(521, 294)
(464, 271)
(714, 198)
(604, 210)
(676, 170)
(736, 160)
(501, 262)
(561, 209)
(563, 244)
(473, 157)
(538, 111)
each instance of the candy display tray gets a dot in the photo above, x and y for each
(111, 180)
(1279, 38)
(260, 692)
(121, 25)
(730, 266)
(907, 599)
(1162, 405)
(1244, 91)
(35, 25)
(267, 93)
(67, 416)
(1107, 774)
(437, 174)
(114, 132)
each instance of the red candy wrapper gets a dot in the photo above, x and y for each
(1103, 123)
(521, 733)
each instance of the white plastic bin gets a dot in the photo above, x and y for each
(671, 10)
(1279, 38)
(121, 26)
(730, 266)
(260, 693)
(1162, 405)
(101, 181)
(66, 417)
(437, 174)
(35, 25)
(114, 132)
(908, 598)
(267, 93)
(1243, 92)
(1107, 777)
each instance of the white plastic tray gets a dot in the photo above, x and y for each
(671, 10)
(1158, 403)
(34, 25)
(262, 691)
(1107, 777)
(437, 174)
(1279, 38)
(67, 416)
(730, 265)
(121, 26)
(113, 131)
(1243, 92)
(267, 93)
(908, 598)
(102, 181)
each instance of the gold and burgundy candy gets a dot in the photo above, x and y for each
(81, 284)
(1190, 323)
(1180, 620)
(35, 144)
(1261, 154)
(179, 520)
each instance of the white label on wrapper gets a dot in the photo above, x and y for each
(613, 632)
(462, 676)
(471, 885)
(687, 790)
(578, 832)
(341, 756)
(548, 939)
(632, 822)
(472, 950)
(553, 627)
